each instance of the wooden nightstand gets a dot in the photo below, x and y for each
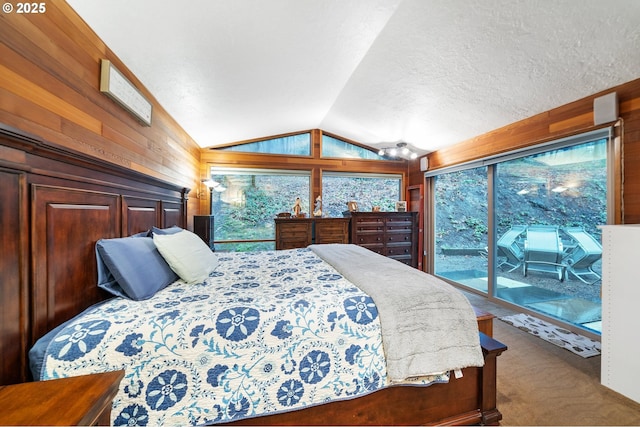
(83, 400)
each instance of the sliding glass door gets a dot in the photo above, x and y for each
(523, 228)
(548, 209)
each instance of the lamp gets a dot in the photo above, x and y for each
(400, 148)
(213, 185)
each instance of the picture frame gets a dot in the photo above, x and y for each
(117, 87)
(401, 206)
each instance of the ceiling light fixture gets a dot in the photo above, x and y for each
(400, 148)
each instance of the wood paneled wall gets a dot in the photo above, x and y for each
(49, 87)
(562, 121)
(315, 163)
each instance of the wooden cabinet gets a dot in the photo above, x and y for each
(82, 400)
(331, 230)
(392, 234)
(203, 226)
(301, 232)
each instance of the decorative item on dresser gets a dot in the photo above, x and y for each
(393, 234)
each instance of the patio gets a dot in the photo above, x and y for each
(569, 300)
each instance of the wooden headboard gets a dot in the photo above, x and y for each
(54, 205)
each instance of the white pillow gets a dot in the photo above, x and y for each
(187, 255)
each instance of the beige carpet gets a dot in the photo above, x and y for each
(541, 384)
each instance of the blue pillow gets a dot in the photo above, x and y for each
(163, 231)
(132, 267)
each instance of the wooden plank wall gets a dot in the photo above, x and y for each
(315, 163)
(566, 120)
(49, 87)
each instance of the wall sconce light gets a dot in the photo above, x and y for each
(401, 149)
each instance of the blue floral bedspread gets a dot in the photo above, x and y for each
(267, 332)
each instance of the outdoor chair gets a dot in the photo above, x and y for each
(543, 251)
(587, 251)
(510, 247)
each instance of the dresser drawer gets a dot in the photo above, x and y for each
(398, 237)
(332, 230)
(293, 233)
(403, 259)
(364, 238)
(368, 222)
(377, 248)
(399, 251)
(400, 219)
(399, 226)
(368, 229)
(295, 228)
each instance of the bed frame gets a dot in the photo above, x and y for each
(57, 203)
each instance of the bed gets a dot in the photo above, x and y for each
(71, 201)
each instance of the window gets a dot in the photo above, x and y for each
(246, 202)
(546, 204)
(333, 147)
(367, 190)
(293, 145)
(461, 225)
(548, 209)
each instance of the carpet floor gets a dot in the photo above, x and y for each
(542, 384)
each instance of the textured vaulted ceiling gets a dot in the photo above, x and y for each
(428, 72)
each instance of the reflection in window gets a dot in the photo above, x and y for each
(461, 227)
(293, 145)
(333, 147)
(249, 201)
(547, 209)
(367, 190)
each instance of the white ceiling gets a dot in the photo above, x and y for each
(428, 72)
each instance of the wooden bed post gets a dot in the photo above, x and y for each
(491, 350)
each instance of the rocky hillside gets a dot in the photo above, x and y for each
(565, 195)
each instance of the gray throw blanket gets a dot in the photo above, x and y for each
(428, 326)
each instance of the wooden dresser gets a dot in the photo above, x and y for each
(392, 234)
(301, 232)
(82, 400)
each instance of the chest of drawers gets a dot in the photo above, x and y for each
(392, 234)
(301, 232)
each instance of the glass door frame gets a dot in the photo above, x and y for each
(614, 206)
